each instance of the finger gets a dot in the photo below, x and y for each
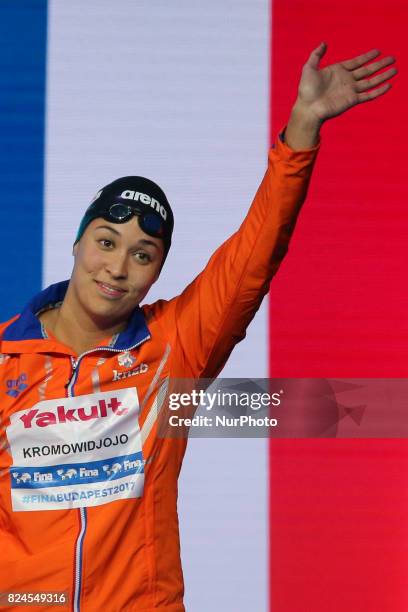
(360, 73)
(316, 55)
(358, 61)
(377, 80)
(374, 93)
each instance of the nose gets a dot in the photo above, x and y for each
(116, 265)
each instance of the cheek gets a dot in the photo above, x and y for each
(141, 282)
(90, 261)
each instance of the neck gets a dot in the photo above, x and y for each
(73, 326)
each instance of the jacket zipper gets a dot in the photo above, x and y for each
(82, 511)
(78, 558)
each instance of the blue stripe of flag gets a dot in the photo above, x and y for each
(23, 34)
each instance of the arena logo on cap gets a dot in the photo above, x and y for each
(96, 196)
(129, 194)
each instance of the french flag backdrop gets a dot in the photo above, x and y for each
(191, 95)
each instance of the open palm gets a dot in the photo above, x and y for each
(330, 91)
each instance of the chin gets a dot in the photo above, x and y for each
(110, 311)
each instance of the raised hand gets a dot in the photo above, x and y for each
(328, 92)
(336, 88)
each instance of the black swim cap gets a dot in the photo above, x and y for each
(133, 195)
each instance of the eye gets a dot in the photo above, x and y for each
(105, 243)
(142, 257)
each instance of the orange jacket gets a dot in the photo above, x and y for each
(88, 491)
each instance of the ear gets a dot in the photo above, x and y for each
(75, 249)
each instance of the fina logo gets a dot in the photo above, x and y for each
(26, 477)
(114, 469)
(128, 194)
(70, 473)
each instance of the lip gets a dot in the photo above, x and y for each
(110, 290)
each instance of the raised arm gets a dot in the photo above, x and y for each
(213, 312)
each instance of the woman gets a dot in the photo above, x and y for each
(88, 490)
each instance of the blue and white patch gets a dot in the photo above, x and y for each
(126, 359)
(76, 452)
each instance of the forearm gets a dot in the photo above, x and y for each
(302, 131)
(214, 311)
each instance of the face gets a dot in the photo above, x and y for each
(115, 266)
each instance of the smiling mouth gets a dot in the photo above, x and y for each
(110, 290)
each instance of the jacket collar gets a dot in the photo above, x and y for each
(28, 326)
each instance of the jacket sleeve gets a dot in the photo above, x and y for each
(213, 312)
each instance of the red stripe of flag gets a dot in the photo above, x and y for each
(339, 508)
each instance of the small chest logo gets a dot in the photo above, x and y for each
(126, 360)
(16, 385)
(140, 369)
